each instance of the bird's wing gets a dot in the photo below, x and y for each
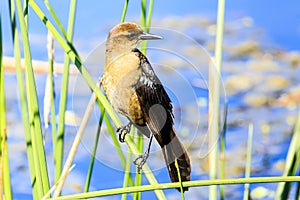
(154, 101)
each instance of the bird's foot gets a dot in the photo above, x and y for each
(123, 131)
(143, 159)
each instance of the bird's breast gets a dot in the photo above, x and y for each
(118, 81)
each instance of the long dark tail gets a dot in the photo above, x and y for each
(174, 150)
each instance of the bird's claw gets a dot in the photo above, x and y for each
(123, 131)
(143, 159)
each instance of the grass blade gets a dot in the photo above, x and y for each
(124, 11)
(22, 96)
(138, 178)
(292, 162)
(92, 161)
(179, 177)
(127, 175)
(50, 80)
(214, 99)
(63, 95)
(146, 21)
(222, 154)
(76, 142)
(196, 183)
(59, 24)
(5, 186)
(33, 109)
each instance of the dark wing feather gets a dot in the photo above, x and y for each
(157, 111)
(155, 102)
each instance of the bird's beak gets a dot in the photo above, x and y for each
(148, 36)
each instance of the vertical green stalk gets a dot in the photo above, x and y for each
(149, 16)
(219, 35)
(213, 127)
(74, 147)
(5, 172)
(52, 92)
(180, 181)
(291, 163)
(143, 13)
(25, 11)
(63, 96)
(60, 26)
(222, 154)
(215, 100)
(92, 161)
(124, 10)
(127, 175)
(248, 162)
(22, 96)
(117, 145)
(146, 21)
(143, 24)
(42, 179)
(138, 178)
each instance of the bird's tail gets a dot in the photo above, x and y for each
(174, 150)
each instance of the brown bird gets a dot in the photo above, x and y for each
(135, 91)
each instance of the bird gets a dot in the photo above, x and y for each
(135, 91)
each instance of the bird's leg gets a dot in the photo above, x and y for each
(143, 157)
(123, 130)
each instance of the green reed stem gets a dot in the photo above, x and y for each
(127, 175)
(75, 145)
(52, 92)
(42, 179)
(5, 176)
(55, 17)
(146, 21)
(138, 178)
(215, 100)
(63, 95)
(117, 145)
(222, 153)
(143, 13)
(180, 181)
(25, 11)
(143, 24)
(22, 96)
(124, 10)
(197, 183)
(292, 162)
(93, 156)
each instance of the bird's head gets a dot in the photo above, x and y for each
(127, 35)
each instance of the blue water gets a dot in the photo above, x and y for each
(279, 21)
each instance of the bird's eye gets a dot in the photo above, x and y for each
(131, 35)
